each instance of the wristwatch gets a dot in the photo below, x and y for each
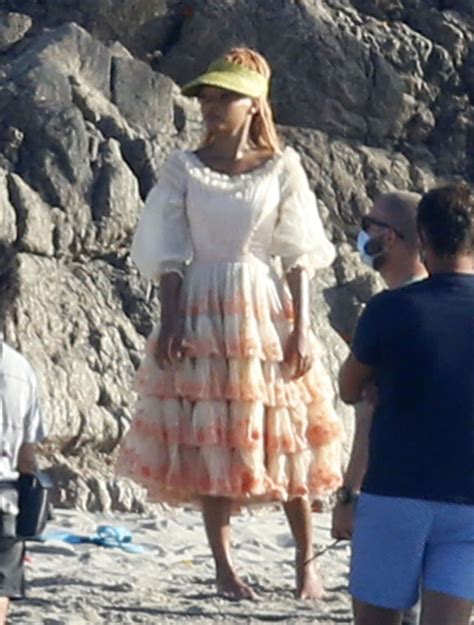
(346, 495)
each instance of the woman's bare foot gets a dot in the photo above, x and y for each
(309, 584)
(232, 587)
(216, 514)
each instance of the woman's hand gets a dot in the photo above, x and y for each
(298, 356)
(171, 346)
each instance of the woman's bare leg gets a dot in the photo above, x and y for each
(216, 515)
(4, 605)
(308, 581)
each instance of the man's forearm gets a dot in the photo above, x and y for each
(27, 461)
(357, 466)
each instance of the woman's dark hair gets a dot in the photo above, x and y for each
(9, 281)
(445, 219)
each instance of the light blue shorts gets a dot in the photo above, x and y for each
(400, 545)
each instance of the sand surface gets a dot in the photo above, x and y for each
(172, 582)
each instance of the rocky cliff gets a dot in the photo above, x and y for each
(375, 94)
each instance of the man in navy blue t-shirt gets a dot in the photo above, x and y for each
(414, 523)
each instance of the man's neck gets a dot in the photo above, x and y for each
(452, 264)
(401, 274)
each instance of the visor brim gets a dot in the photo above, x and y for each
(228, 82)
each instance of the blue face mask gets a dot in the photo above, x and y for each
(369, 248)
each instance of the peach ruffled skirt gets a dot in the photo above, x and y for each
(228, 420)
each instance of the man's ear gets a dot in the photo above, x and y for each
(390, 238)
(421, 238)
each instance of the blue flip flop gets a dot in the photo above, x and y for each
(108, 536)
(72, 539)
(121, 537)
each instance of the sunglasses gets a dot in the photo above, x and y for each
(368, 221)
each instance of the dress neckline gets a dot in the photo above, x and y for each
(251, 173)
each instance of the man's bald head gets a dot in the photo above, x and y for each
(399, 210)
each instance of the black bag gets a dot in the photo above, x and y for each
(34, 497)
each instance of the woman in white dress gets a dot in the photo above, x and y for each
(235, 407)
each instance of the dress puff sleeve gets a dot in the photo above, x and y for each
(299, 238)
(162, 242)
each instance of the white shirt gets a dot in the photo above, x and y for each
(20, 416)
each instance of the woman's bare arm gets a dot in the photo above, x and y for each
(170, 340)
(298, 283)
(298, 350)
(170, 289)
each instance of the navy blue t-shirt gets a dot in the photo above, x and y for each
(420, 341)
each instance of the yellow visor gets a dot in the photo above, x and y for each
(231, 77)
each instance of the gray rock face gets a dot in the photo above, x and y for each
(35, 227)
(389, 75)
(13, 27)
(375, 95)
(8, 215)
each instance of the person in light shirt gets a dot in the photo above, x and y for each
(22, 428)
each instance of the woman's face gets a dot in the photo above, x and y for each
(225, 111)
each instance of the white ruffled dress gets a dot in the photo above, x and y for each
(228, 421)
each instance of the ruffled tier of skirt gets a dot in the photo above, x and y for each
(229, 420)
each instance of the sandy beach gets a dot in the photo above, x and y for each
(172, 581)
